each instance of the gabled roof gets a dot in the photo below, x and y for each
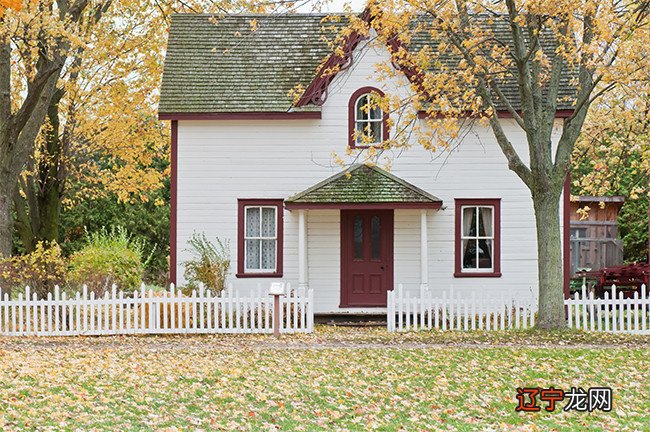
(221, 66)
(363, 184)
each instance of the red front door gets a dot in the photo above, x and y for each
(366, 257)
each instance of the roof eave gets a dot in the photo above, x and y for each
(363, 205)
(256, 115)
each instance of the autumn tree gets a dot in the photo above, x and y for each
(79, 85)
(36, 38)
(477, 46)
(612, 157)
(100, 134)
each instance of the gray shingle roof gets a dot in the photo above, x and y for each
(500, 30)
(222, 66)
(363, 184)
(208, 68)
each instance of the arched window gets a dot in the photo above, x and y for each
(368, 122)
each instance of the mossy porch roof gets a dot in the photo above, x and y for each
(363, 184)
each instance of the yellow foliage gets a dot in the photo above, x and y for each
(41, 269)
(16, 5)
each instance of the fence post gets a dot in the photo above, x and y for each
(310, 310)
(400, 307)
(276, 290)
(644, 308)
(391, 313)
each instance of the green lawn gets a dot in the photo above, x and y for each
(335, 379)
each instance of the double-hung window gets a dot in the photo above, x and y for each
(478, 237)
(260, 238)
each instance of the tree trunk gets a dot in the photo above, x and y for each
(549, 260)
(6, 214)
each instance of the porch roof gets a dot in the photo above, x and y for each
(364, 186)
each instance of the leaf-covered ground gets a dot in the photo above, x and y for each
(335, 379)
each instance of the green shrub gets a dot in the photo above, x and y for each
(147, 220)
(41, 269)
(209, 264)
(109, 257)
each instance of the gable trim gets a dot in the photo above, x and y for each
(317, 91)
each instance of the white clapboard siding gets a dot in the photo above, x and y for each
(612, 313)
(148, 312)
(454, 311)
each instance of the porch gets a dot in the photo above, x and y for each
(350, 227)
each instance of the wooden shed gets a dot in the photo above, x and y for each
(595, 241)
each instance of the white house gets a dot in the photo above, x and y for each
(252, 166)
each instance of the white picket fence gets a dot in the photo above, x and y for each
(453, 311)
(149, 312)
(450, 311)
(612, 313)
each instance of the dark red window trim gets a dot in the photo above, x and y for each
(351, 111)
(496, 203)
(241, 204)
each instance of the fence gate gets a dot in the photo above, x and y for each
(149, 312)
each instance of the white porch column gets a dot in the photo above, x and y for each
(424, 251)
(302, 249)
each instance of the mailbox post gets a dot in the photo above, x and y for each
(276, 290)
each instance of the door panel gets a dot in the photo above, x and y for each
(366, 257)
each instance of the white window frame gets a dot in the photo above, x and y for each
(367, 121)
(476, 238)
(260, 270)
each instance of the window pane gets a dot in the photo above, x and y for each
(252, 254)
(375, 231)
(485, 222)
(485, 253)
(375, 112)
(252, 222)
(268, 222)
(358, 237)
(268, 254)
(469, 254)
(375, 132)
(578, 233)
(469, 222)
(362, 109)
(360, 132)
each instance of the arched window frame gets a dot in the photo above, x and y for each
(352, 120)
